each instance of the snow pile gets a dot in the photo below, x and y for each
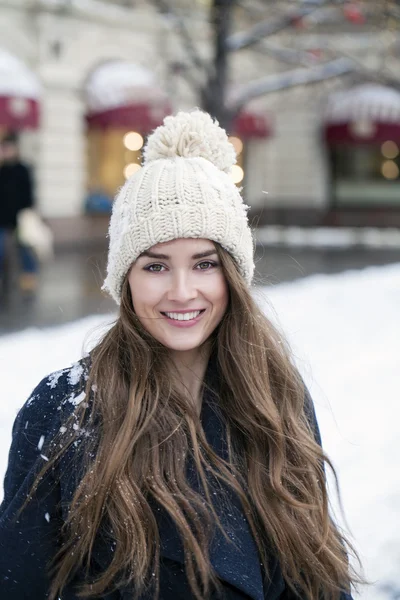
(345, 332)
(16, 79)
(328, 237)
(118, 83)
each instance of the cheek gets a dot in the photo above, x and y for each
(219, 294)
(144, 296)
(142, 307)
(137, 298)
(224, 303)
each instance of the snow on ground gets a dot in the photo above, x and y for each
(345, 331)
(328, 237)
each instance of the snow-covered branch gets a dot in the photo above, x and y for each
(289, 79)
(290, 56)
(244, 39)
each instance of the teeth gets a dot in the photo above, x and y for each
(183, 316)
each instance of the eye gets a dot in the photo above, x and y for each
(155, 268)
(206, 265)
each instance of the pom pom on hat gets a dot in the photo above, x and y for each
(191, 135)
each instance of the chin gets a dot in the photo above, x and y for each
(182, 345)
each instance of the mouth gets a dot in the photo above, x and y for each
(183, 319)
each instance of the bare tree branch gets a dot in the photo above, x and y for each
(244, 39)
(286, 55)
(393, 11)
(185, 71)
(289, 79)
(180, 26)
(384, 75)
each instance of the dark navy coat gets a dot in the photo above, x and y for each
(16, 192)
(29, 541)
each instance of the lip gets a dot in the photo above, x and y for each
(190, 323)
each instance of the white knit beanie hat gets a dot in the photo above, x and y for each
(183, 190)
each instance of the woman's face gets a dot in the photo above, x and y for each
(179, 292)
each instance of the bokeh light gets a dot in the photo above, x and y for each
(237, 174)
(390, 170)
(133, 140)
(390, 149)
(236, 143)
(131, 169)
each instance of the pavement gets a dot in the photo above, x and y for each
(69, 285)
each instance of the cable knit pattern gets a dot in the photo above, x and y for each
(183, 191)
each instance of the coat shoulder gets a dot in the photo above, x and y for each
(39, 420)
(58, 393)
(29, 540)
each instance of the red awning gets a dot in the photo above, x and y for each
(142, 118)
(19, 113)
(366, 114)
(123, 94)
(252, 125)
(19, 94)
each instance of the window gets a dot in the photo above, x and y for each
(366, 174)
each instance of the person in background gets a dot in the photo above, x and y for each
(16, 194)
(181, 459)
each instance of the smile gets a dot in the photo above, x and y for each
(180, 316)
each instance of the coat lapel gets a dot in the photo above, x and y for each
(236, 560)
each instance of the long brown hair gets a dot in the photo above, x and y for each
(145, 429)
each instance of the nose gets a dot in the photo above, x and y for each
(182, 287)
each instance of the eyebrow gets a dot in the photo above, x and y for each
(150, 254)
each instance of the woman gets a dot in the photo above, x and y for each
(181, 459)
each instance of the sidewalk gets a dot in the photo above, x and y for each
(70, 284)
(69, 289)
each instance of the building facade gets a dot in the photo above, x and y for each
(80, 59)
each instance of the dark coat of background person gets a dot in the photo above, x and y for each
(16, 192)
(29, 541)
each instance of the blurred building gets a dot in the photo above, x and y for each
(85, 87)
